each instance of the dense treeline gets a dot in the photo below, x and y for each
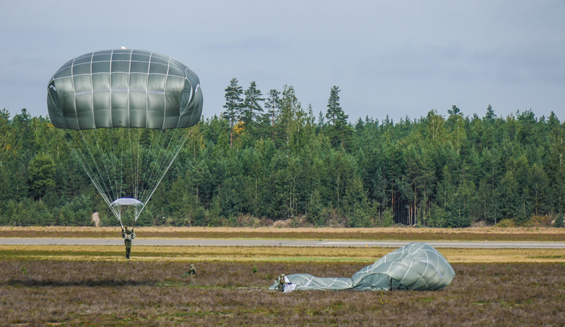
(268, 158)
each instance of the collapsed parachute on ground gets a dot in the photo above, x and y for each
(126, 113)
(416, 266)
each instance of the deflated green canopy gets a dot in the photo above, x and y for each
(416, 266)
(124, 88)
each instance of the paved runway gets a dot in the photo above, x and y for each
(299, 243)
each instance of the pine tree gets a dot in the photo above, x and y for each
(509, 196)
(540, 196)
(289, 107)
(41, 173)
(252, 104)
(273, 106)
(339, 130)
(490, 116)
(233, 105)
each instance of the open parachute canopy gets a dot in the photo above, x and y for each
(126, 112)
(416, 266)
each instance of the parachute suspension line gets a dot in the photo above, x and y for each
(139, 166)
(110, 139)
(158, 142)
(90, 172)
(163, 165)
(143, 160)
(161, 159)
(100, 156)
(132, 174)
(120, 167)
(126, 142)
(168, 158)
(136, 169)
(181, 144)
(96, 184)
(140, 156)
(121, 158)
(99, 180)
(125, 153)
(147, 162)
(104, 157)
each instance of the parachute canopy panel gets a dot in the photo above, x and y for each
(416, 266)
(124, 88)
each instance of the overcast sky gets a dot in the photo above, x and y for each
(396, 58)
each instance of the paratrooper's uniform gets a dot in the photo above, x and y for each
(128, 236)
(281, 282)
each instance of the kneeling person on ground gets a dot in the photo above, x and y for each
(282, 281)
(192, 271)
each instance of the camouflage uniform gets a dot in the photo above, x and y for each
(192, 271)
(128, 236)
(281, 283)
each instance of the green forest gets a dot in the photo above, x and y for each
(268, 158)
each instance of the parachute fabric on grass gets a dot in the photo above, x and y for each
(127, 112)
(416, 266)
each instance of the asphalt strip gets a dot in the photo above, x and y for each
(287, 243)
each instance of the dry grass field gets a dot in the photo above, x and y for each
(262, 254)
(133, 293)
(68, 285)
(391, 234)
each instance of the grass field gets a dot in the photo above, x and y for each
(47, 292)
(262, 254)
(67, 285)
(390, 234)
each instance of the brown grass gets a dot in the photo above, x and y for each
(261, 254)
(230, 294)
(400, 234)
